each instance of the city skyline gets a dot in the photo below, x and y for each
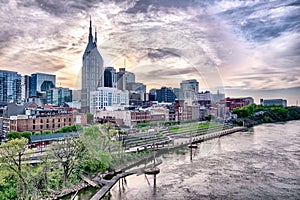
(244, 48)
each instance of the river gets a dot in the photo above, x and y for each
(262, 163)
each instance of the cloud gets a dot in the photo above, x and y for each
(242, 44)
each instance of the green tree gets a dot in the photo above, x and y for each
(66, 152)
(26, 134)
(241, 112)
(11, 154)
(46, 132)
(76, 127)
(66, 129)
(13, 135)
(100, 146)
(209, 117)
(8, 185)
(37, 133)
(90, 118)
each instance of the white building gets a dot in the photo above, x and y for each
(204, 96)
(276, 102)
(108, 98)
(121, 116)
(207, 96)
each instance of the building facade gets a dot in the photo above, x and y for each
(58, 96)
(10, 87)
(232, 103)
(40, 83)
(152, 94)
(189, 88)
(276, 102)
(25, 87)
(178, 93)
(124, 77)
(32, 124)
(107, 98)
(92, 70)
(165, 94)
(110, 77)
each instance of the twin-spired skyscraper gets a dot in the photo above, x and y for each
(92, 70)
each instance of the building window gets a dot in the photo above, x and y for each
(41, 126)
(47, 120)
(53, 120)
(58, 125)
(33, 121)
(58, 120)
(47, 126)
(33, 127)
(64, 119)
(53, 125)
(69, 119)
(41, 121)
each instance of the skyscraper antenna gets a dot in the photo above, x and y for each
(90, 21)
(95, 35)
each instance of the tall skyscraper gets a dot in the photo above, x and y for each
(10, 87)
(92, 70)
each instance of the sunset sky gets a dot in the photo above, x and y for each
(242, 48)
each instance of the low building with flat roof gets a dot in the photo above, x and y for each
(276, 102)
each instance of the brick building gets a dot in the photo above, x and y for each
(232, 103)
(35, 124)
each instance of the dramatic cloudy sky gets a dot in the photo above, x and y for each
(242, 48)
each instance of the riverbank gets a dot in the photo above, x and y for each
(252, 115)
(162, 149)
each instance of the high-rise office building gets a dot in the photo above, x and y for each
(152, 94)
(189, 88)
(165, 94)
(92, 70)
(58, 96)
(25, 85)
(178, 93)
(40, 83)
(107, 98)
(10, 87)
(137, 93)
(110, 77)
(137, 87)
(124, 77)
